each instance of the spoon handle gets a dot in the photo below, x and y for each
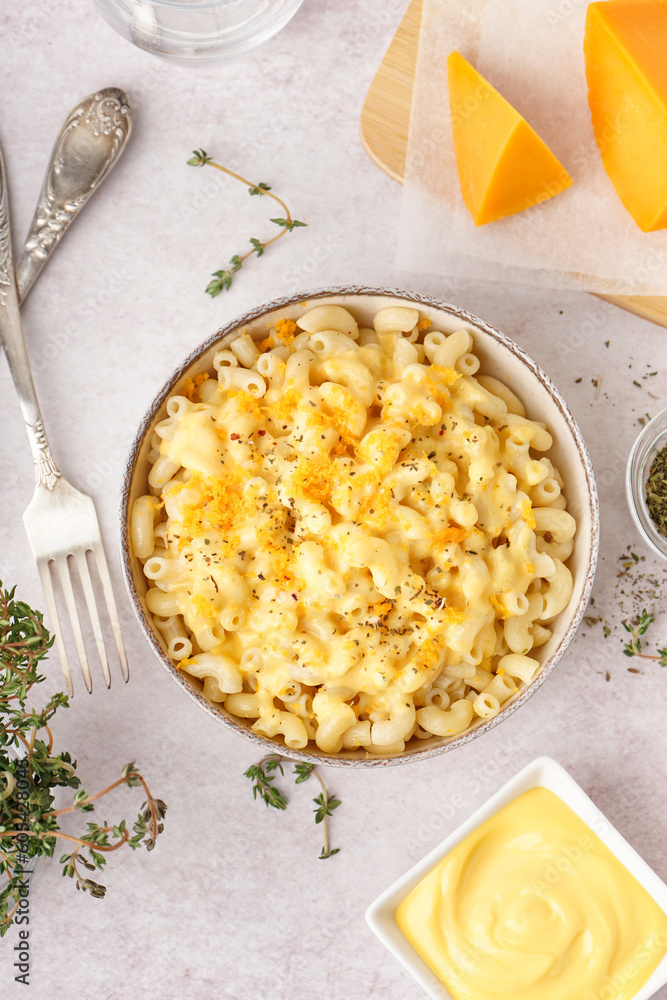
(88, 146)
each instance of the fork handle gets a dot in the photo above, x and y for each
(13, 343)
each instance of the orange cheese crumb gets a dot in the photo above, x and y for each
(286, 330)
(221, 507)
(314, 479)
(245, 402)
(500, 607)
(439, 381)
(452, 534)
(284, 407)
(431, 650)
(191, 385)
(439, 378)
(527, 511)
(202, 606)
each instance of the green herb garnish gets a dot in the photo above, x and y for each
(638, 627)
(263, 787)
(222, 279)
(29, 825)
(263, 782)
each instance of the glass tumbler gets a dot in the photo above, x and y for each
(196, 32)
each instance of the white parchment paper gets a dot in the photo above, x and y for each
(532, 52)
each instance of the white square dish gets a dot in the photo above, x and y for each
(543, 772)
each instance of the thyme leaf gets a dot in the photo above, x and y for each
(263, 785)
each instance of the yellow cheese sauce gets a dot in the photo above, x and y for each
(533, 906)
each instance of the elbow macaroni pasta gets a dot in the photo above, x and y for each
(350, 538)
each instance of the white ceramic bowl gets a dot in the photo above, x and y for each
(500, 357)
(541, 773)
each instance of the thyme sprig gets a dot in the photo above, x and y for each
(263, 783)
(223, 278)
(262, 777)
(638, 627)
(29, 825)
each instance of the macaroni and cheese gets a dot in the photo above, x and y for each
(351, 536)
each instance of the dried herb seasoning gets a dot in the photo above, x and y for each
(656, 491)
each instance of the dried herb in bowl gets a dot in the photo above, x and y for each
(656, 491)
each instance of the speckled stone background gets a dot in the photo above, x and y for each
(234, 902)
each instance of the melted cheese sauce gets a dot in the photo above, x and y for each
(533, 906)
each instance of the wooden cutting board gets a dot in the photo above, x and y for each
(385, 124)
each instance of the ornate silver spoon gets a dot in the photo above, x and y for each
(89, 144)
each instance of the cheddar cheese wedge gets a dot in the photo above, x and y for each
(625, 47)
(504, 167)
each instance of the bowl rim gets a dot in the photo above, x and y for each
(543, 772)
(267, 744)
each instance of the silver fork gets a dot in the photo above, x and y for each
(60, 521)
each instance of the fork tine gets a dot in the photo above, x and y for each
(66, 583)
(89, 594)
(103, 570)
(45, 575)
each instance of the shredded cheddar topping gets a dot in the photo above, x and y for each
(191, 385)
(286, 330)
(528, 516)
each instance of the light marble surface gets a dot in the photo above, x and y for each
(234, 902)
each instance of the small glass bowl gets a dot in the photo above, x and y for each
(197, 32)
(652, 439)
